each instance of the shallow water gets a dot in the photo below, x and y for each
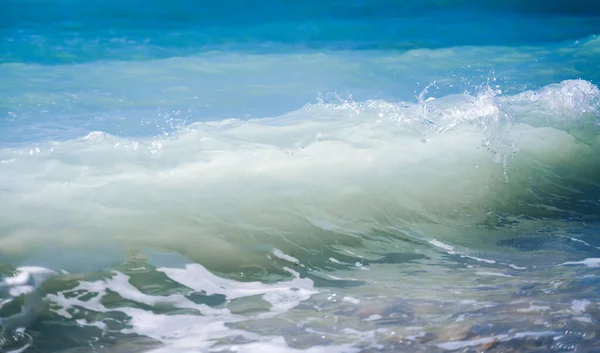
(364, 176)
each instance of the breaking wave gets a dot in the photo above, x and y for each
(224, 193)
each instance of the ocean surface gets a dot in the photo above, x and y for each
(295, 176)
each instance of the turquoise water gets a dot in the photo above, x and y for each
(299, 176)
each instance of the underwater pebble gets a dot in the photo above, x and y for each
(488, 345)
(454, 331)
(371, 310)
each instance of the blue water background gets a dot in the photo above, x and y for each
(90, 30)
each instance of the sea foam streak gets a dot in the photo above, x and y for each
(324, 173)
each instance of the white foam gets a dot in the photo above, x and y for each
(517, 267)
(360, 266)
(579, 306)
(101, 325)
(455, 345)
(479, 259)
(443, 246)
(25, 282)
(373, 317)
(280, 254)
(120, 284)
(180, 333)
(452, 251)
(197, 277)
(493, 274)
(25, 276)
(584, 319)
(590, 262)
(351, 300)
(534, 308)
(278, 345)
(580, 241)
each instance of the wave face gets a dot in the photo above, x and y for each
(349, 166)
(363, 176)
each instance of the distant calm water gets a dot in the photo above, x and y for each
(299, 176)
